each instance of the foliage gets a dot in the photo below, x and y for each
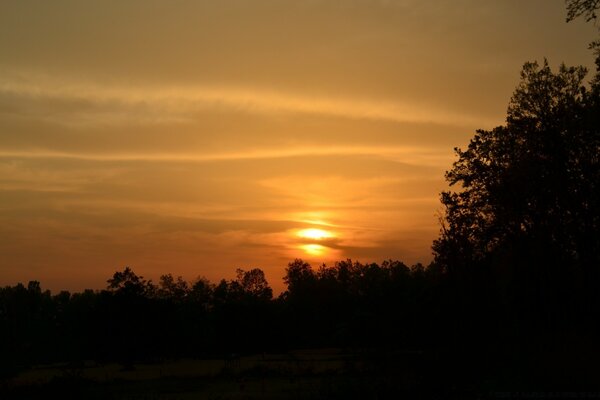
(127, 283)
(134, 320)
(585, 8)
(254, 284)
(534, 179)
(173, 289)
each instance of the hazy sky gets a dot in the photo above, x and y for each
(196, 137)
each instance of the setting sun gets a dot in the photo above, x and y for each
(313, 249)
(314, 234)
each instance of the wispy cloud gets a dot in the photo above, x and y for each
(176, 103)
(405, 154)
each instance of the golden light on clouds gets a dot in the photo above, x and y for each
(314, 234)
(313, 249)
(179, 103)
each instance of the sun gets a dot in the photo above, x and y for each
(313, 249)
(315, 241)
(314, 234)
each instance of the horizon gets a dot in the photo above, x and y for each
(199, 139)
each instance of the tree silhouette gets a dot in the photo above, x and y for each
(129, 323)
(201, 293)
(172, 289)
(587, 8)
(253, 284)
(534, 179)
(299, 278)
(127, 283)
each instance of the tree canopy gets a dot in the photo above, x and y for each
(585, 8)
(534, 179)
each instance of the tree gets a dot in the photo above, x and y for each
(129, 284)
(253, 284)
(299, 278)
(201, 293)
(172, 289)
(587, 9)
(532, 182)
(577, 8)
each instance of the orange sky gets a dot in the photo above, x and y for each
(199, 137)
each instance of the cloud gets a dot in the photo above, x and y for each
(157, 103)
(404, 154)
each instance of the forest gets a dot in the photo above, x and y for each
(510, 302)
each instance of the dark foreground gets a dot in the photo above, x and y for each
(319, 374)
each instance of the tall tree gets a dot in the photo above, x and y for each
(534, 180)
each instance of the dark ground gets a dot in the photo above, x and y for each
(306, 374)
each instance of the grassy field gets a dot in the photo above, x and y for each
(309, 374)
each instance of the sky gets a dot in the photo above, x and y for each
(197, 137)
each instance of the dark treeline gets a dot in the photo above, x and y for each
(134, 320)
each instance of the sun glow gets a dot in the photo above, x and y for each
(313, 249)
(314, 234)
